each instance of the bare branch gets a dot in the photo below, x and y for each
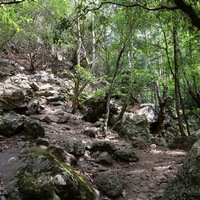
(11, 2)
(162, 7)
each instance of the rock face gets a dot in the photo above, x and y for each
(186, 184)
(44, 177)
(110, 182)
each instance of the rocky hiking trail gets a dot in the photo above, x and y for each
(31, 103)
(145, 179)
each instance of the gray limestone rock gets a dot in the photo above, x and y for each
(110, 183)
(75, 147)
(44, 177)
(134, 125)
(103, 146)
(104, 158)
(33, 107)
(11, 98)
(186, 184)
(126, 154)
(14, 124)
(62, 155)
(91, 132)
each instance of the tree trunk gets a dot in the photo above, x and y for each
(77, 79)
(162, 101)
(93, 46)
(176, 82)
(105, 128)
(124, 106)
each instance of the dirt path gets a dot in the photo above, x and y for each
(147, 179)
(143, 180)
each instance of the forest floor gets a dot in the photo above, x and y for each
(143, 180)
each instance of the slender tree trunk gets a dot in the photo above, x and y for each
(77, 79)
(93, 45)
(121, 114)
(105, 128)
(127, 99)
(176, 82)
(175, 75)
(162, 101)
(192, 88)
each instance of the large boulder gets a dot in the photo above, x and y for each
(10, 125)
(150, 111)
(14, 124)
(108, 148)
(12, 98)
(183, 142)
(186, 184)
(44, 177)
(134, 126)
(97, 109)
(15, 92)
(32, 128)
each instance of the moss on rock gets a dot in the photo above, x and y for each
(45, 177)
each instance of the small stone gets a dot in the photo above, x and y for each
(59, 180)
(153, 146)
(42, 141)
(124, 193)
(91, 132)
(34, 86)
(51, 118)
(104, 158)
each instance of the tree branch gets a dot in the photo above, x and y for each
(162, 7)
(11, 2)
(179, 5)
(189, 10)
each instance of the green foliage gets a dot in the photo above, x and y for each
(99, 92)
(84, 73)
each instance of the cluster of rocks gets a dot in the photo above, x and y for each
(47, 171)
(102, 152)
(31, 93)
